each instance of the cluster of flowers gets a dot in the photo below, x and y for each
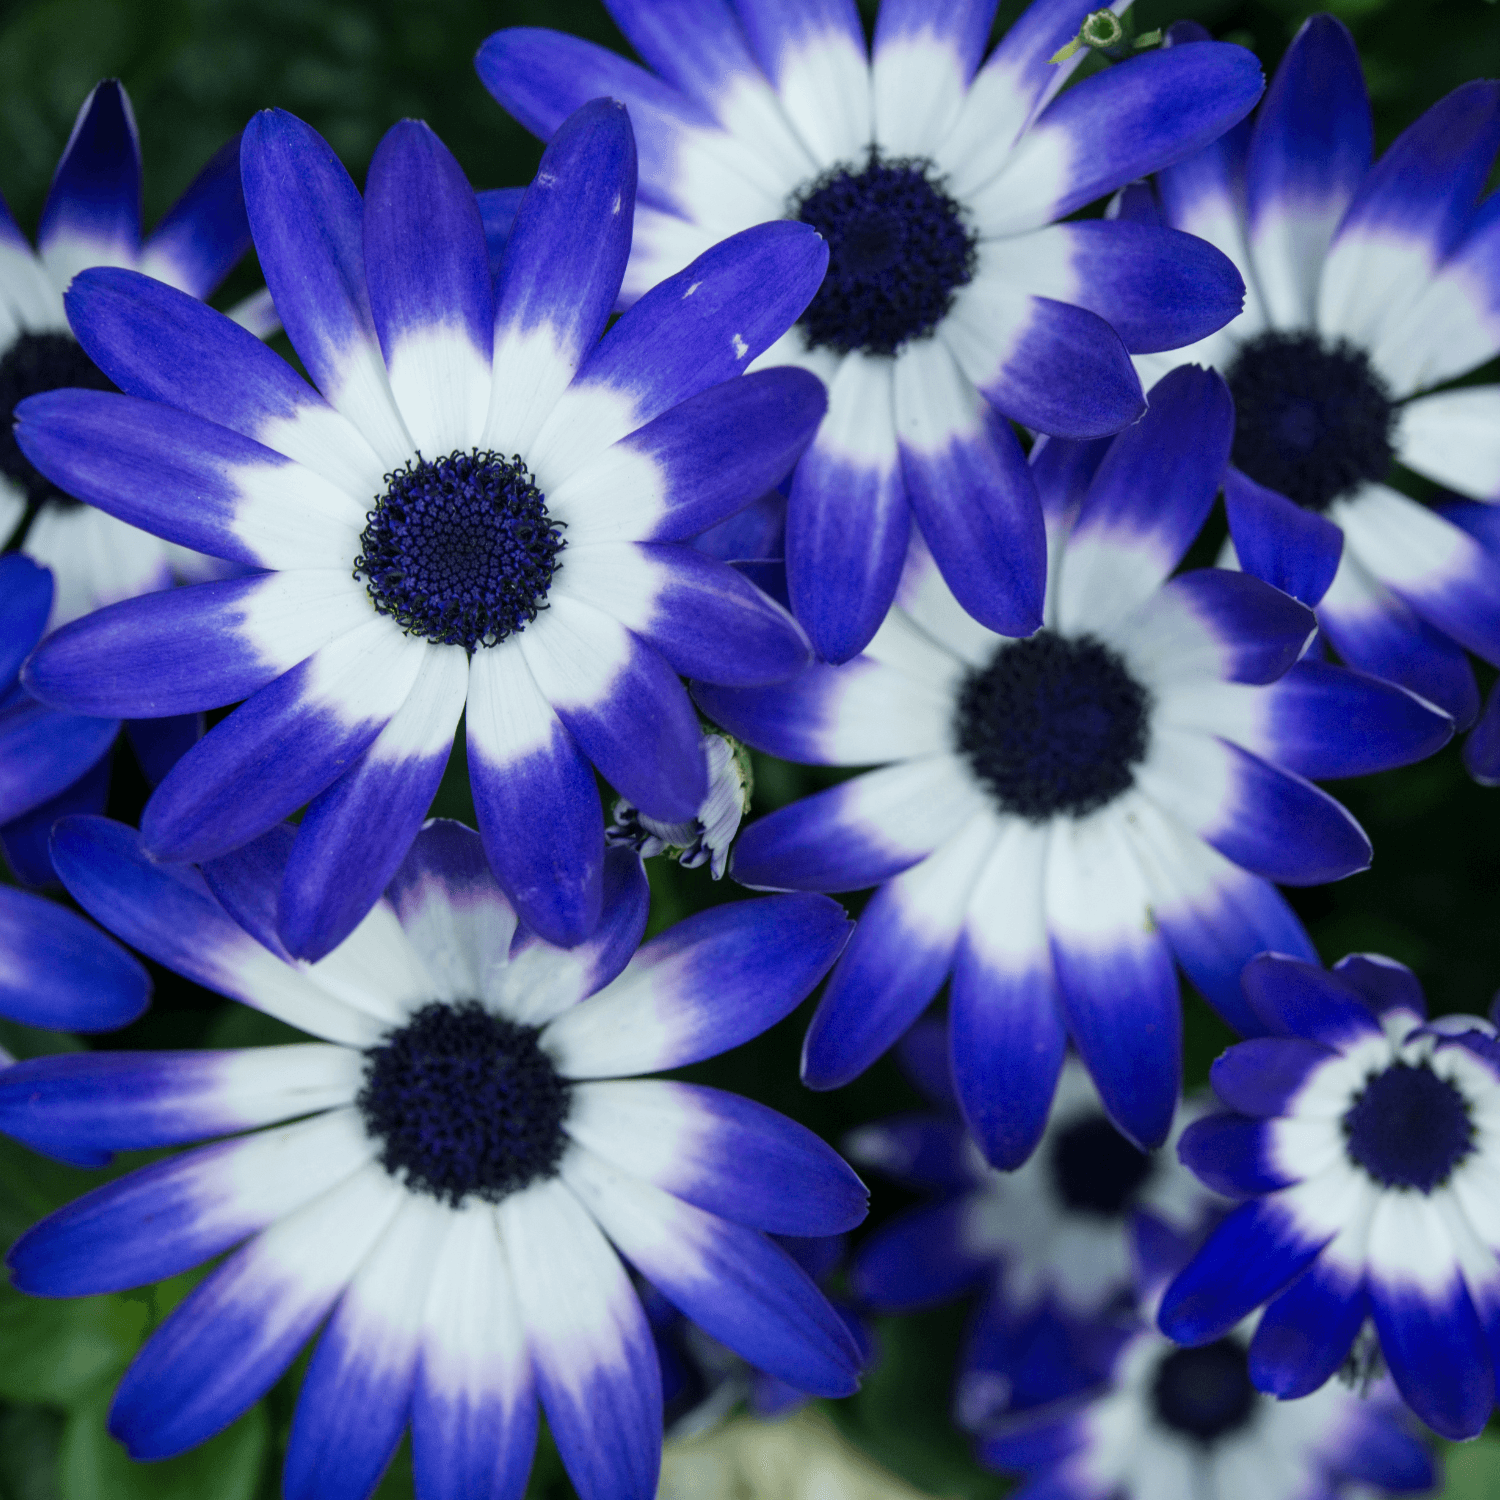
(793, 375)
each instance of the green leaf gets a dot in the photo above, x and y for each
(29, 1440)
(92, 1466)
(57, 1353)
(1473, 1469)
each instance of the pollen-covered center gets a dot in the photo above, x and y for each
(1204, 1393)
(1095, 1169)
(34, 363)
(1408, 1128)
(1313, 419)
(460, 550)
(898, 249)
(1052, 725)
(464, 1104)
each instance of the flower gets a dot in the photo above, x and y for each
(1047, 1244)
(1368, 286)
(1188, 1424)
(954, 300)
(705, 838)
(93, 218)
(1056, 820)
(483, 517)
(466, 1139)
(1367, 1143)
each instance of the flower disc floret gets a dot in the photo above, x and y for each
(898, 249)
(1205, 1393)
(1053, 725)
(1313, 418)
(34, 363)
(1408, 1128)
(464, 1103)
(460, 550)
(1096, 1170)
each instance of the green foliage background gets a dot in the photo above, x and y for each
(196, 70)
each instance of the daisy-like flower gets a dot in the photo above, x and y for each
(1367, 287)
(446, 1169)
(705, 838)
(481, 514)
(1057, 821)
(954, 300)
(1047, 1244)
(1188, 1424)
(92, 217)
(1368, 1142)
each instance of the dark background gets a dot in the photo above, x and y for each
(196, 70)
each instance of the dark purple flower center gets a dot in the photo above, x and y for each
(1408, 1128)
(464, 1103)
(34, 363)
(1205, 1393)
(1095, 1170)
(898, 249)
(460, 550)
(1054, 724)
(1313, 418)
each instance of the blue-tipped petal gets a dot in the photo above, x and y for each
(1298, 999)
(848, 520)
(729, 1156)
(1007, 1044)
(563, 264)
(1434, 1343)
(160, 743)
(428, 273)
(310, 723)
(93, 208)
(1482, 748)
(1049, 365)
(1324, 721)
(1262, 1076)
(1251, 1256)
(25, 603)
(1149, 497)
(232, 1338)
(1304, 1334)
(58, 971)
(307, 219)
(713, 981)
(497, 212)
(1130, 120)
(535, 798)
(735, 1283)
(694, 465)
(1294, 549)
(25, 840)
(971, 491)
(187, 480)
(1233, 1155)
(205, 232)
(180, 651)
(44, 751)
(1309, 152)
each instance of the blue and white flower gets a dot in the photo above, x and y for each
(448, 1171)
(1058, 822)
(705, 838)
(480, 514)
(954, 299)
(1368, 289)
(92, 217)
(1188, 1424)
(1047, 1245)
(1368, 1144)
